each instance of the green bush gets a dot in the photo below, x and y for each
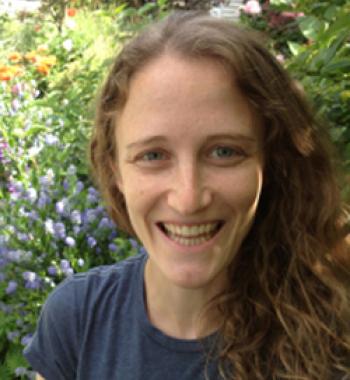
(53, 222)
(312, 39)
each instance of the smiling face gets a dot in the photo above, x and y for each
(190, 168)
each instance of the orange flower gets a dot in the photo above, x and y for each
(3, 68)
(49, 61)
(6, 75)
(71, 12)
(16, 70)
(8, 72)
(42, 48)
(42, 68)
(31, 56)
(14, 57)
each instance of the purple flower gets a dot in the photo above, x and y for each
(66, 185)
(14, 255)
(12, 335)
(26, 339)
(52, 270)
(33, 285)
(17, 89)
(44, 181)
(76, 230)
(11, 287)
(92, 191)
(142, 250)
(76, 217)
(104, 223)
(113, 234)
(29, 276)
(60, 230)
(64, 264)
(79, 187)
(91, 242)
(15, 105)
(43, 200)
(81, 262)
(134, 243)
(93, 195)
(20, 371)
(22, 237)
(91, 198)
(33, 215)
(31, 195)
(62, 206)
(112, 247)
(68, 272)
(90, 215)
(70, 241)
(51, 139)
(32, 280)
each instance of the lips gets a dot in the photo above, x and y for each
(190, 235)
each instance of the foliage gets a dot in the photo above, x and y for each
(53, 222)
(312, 39)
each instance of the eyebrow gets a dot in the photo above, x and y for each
(162, 139)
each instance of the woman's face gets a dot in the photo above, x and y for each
(190, 167)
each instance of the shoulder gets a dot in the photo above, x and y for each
(83, 292)
(98, 282)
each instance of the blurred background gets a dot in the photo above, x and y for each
(53, 58)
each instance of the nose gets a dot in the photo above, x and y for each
(188, 192)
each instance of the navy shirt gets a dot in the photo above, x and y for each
(94, 325)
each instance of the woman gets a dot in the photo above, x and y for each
(206, 150)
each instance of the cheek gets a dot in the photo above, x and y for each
(242, 190)
(139, 195)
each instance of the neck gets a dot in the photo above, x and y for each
(178, 311)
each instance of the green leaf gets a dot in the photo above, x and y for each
(147, 8)
(120, 8)
(280, 2)
(310, 27)
(340, 65)
(15, 358)
(5, 373)
(295, 48)
(326, 55)
(331, 12)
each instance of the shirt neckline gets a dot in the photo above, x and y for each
(175, 344)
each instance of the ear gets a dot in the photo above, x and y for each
(116, 174)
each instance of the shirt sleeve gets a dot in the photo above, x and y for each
(53, 350)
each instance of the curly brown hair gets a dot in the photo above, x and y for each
(286, 312)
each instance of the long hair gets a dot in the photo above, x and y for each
(285, 314)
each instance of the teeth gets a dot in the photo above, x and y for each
(189, 242)
(193, 231)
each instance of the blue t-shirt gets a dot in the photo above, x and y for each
(94, 325)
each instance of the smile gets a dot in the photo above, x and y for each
(190, 235)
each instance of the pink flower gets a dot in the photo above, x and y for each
(292, 15)
(280, 58)
(252, 7)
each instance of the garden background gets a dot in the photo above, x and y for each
(53, 222)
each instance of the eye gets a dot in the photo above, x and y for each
(152, 156)
(226, 152)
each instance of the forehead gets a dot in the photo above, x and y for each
(173, 93)
(175, 75)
